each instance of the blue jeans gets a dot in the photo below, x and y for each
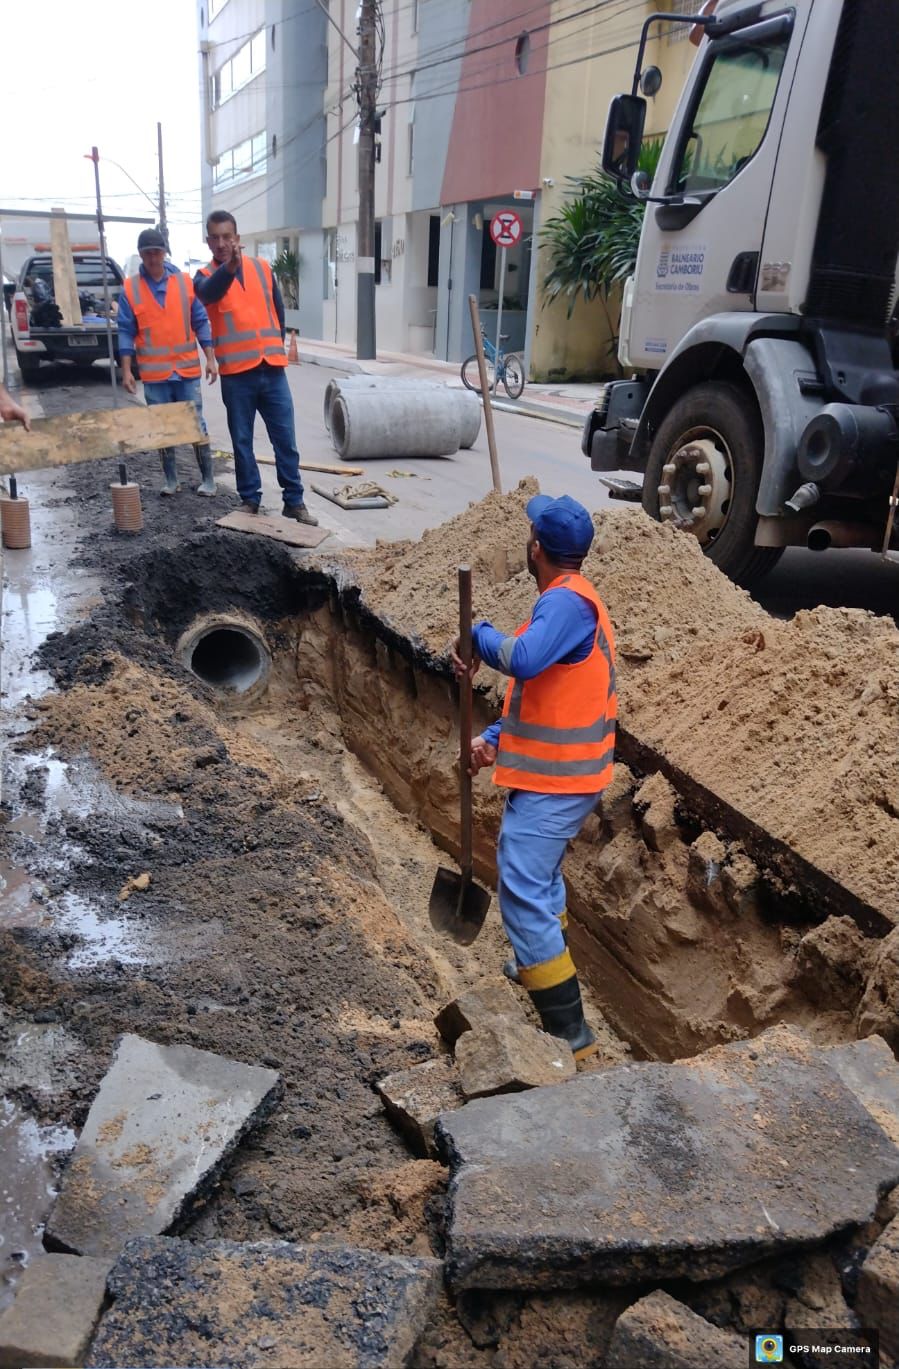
(176, 390)
(264, 391)
(534, 835)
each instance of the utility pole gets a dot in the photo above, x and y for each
(163, 227)
(367, 95)
(107, 298)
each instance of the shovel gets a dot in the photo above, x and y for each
(458, 906)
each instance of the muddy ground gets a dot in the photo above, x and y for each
(285, 920)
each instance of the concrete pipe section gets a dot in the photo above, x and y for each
(396, 423)
(467, 405)
(228, 653)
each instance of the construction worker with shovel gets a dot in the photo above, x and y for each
(553, 748)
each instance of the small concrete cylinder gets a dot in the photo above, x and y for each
(126, 507)
(15, 521)
(395, 422)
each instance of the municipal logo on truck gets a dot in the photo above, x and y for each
(680, 267)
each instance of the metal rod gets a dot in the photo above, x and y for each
(107, 298)
(465, 711)
(485, 391)
(13, 487)
(163, 226)
(123, 474)
(499, 315)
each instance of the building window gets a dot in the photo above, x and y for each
(522, 53)
(410, 148)
(247, 63)
(216, 7)
(273, 37)
(241, 163)
(274, 146)
(415, 16)
(488, 259)
(377, 253)
(434, 250)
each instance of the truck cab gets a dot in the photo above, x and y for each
(762, 404)
(37, 330)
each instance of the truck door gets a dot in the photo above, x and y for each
(700, 256)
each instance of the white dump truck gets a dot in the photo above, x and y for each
(763, 403)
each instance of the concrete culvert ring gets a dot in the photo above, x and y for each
(227, 653)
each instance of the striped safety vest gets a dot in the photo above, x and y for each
(165, 340)
(245, 328)
(558, 730)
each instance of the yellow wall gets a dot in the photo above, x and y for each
(578, 94)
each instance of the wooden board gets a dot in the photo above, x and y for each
(274, 525)
(65, 286)
(311, 466)
(70, 438)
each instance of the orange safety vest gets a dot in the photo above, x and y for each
(165, 341)
(558, 730)
(245, 329)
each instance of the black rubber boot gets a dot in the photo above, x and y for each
(204, 461)
(169, 471)
(562, 1014)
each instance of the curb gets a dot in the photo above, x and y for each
(563, 420)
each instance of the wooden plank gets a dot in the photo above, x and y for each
(70, 438)
(312, 466)
(65, 287)
(276, 526)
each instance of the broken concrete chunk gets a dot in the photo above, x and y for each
(57, 1306)
(414, 1099)
(239, 1306)
(660, 1333)
(870, 1070)
(505, 1056)
(654, 801)
(832, 964)
(652, 1171)
(159, 1130)
(476, 1007)
(878, 1289)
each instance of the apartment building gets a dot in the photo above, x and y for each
(485, 105)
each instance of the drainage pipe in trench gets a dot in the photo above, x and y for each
(228, 653)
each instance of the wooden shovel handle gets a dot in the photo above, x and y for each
(465, 723)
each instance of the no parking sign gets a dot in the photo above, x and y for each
(506, 228)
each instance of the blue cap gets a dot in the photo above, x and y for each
(564, 526)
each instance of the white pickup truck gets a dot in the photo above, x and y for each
(37, 331)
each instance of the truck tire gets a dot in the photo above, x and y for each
(28, 365)
(703, 473)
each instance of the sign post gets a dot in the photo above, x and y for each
(505, 230)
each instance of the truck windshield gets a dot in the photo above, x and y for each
(731, 116)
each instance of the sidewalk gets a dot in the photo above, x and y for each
(563, 403)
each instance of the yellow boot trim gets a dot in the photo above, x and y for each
(548, 973)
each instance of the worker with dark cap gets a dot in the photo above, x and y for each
(160, 321)
(553, 748)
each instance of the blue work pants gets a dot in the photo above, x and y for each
(535, 832)
(176, 390)
(264, 391)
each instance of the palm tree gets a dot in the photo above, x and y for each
(592, 241)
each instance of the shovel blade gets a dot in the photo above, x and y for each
(458, 906)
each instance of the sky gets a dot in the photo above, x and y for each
(76, 76)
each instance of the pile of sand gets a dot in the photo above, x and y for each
(792, 723)
(662, 593)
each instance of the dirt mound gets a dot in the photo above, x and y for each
(795, 726)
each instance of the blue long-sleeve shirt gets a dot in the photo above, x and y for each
(127, 323)
(213, 288)
(561, 632)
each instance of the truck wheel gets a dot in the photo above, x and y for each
(28, 365)
(703, 475)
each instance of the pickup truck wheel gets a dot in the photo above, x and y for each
(703, 475)
(28, 365)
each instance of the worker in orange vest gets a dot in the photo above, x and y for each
(247, 316)
(553, 748)
(160, 321)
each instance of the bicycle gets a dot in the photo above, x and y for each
(508, 367)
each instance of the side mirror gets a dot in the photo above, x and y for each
(651, 81)
(624, 134)
(641, 185)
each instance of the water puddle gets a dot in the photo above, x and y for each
(27, 1189)
(102, 938)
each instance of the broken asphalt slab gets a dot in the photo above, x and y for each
(870, 1070)
(238, 1306)
(652, 1171)
(159, 1130)
(660, 1333)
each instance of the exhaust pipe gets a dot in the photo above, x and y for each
(833, 533)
